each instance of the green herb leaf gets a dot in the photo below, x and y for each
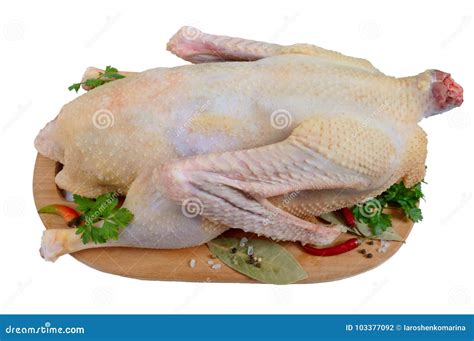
(75, 86)
(83, 203)
(389, 234)
(110, 73)
(278, 266)
(102, 220)
(94, 83)
(380, 223)
(407, 198)
(113, 75)
(375, 219)
(110, 69)
(414, 214)
(397, 196)
(362, 229)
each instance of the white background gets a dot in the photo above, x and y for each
(45, 46)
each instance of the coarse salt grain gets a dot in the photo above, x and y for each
(243, 241)
(250, 250)
(383, 246)
(210, 262)
(192, 263)
(216, 266)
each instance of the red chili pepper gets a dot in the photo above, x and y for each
(70, 215)
(348, 245)
(121, 201)
(348, 217)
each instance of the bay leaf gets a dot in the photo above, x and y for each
(337, 219)
(389, 234)
(333, 218)
(362, 229)
(278, 266)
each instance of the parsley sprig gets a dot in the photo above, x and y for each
(101, 218)
(110, 73)
(396, 196)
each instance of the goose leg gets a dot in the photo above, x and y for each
(158, 223)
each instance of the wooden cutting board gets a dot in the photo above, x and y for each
(174, 265)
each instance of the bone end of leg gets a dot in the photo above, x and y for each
(58, 242)
(52, 247)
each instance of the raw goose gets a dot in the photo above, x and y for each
(280, 134)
